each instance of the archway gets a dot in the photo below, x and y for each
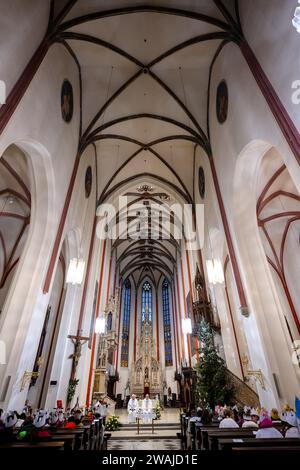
(23, 307)
(266, 330)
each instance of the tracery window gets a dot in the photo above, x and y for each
(167, 324)
(146, 301)
(126, 324)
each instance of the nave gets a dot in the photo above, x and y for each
(149, 219)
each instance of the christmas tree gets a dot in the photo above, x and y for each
(213, 384)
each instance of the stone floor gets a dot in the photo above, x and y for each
(144, 444)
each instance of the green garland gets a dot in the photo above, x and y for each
(112, 423)
(71, 389)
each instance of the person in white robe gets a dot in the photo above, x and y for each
(291, 419)
(228, 421)
(267, 429)
(253, 422)
(132, 409)
(97, 409)
(147, 409)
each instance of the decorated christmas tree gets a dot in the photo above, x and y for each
(213, 384)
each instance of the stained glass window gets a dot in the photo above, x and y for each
(126, 324)
(147, 301)
(167, 324)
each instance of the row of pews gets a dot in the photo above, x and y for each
(211, 438)
(88, 437)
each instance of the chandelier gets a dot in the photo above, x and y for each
(145, 188)
(75, 271)
(296, 19)
(214, 271)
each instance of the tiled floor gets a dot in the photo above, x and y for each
(141, 444)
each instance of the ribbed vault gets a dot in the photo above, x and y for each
(145, 71)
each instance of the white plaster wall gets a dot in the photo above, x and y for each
(50, 145)
(249, 118)
(267, 25)
(21, 44)
(80, 219)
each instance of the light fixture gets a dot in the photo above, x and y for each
(75, 271)
(100, 326)
(214, 271)
(296, 19)
(186, 326)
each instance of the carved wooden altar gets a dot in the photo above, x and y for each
(146, 372)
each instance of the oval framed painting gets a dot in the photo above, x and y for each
(88, 181)
(66, 101)
(201, 182)
(222, 102)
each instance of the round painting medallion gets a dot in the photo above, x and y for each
(222, 102)
(66, 101)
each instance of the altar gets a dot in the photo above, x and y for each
(146, 372)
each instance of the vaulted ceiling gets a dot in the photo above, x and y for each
(145, 73)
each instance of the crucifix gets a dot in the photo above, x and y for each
(78, 341)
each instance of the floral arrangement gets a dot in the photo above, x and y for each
(112, 423)
(157, 411)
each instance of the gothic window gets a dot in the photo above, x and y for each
(109, 321)
(167, 324)
(146, 301)
(126, 324)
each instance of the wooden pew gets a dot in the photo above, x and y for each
(69, 440)
(235, 433)
(78, 433)
(227, 444)
(199, 437)
(281, 450)
(50, 445)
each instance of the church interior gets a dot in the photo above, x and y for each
(150, 220)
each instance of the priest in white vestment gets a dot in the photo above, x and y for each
(132, 409)
(147, 404)
(147, 408)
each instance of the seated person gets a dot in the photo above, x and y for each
(10, 420)
(267, 429)
(253, 421)
(132, 408)
(275, 416)
(147, 403)
(290, 421)
(70, 423)
(39, 423)
(228, 421)
(193, 419)
(206, 417)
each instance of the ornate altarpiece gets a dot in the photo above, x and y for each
(146, 371)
